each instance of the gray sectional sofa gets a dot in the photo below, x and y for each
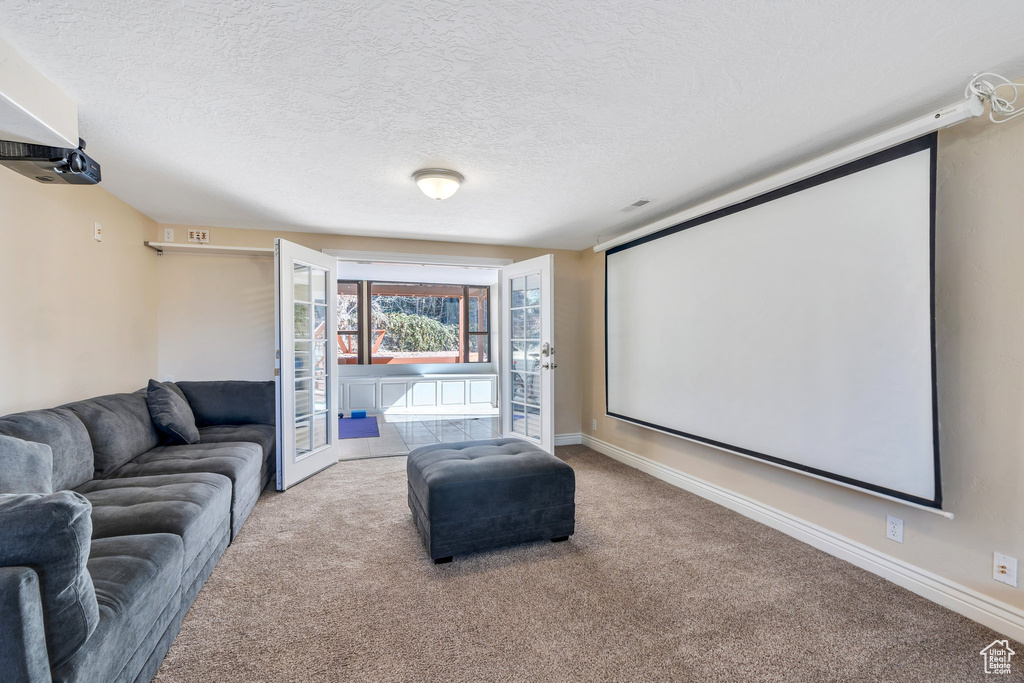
(108, 529)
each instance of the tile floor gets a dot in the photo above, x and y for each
(400, 434)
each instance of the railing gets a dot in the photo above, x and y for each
(348, 346)
(348, 352)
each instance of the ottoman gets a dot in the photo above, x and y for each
(478, 495)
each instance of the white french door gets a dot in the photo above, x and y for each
(527, 351)
(305, 304)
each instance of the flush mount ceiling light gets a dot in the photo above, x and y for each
(438, 183)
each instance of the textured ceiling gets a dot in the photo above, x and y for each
(312, 115)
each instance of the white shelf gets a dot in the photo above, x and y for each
(176, 248)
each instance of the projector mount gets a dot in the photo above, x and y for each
(1000, 92)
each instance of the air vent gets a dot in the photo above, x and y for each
(636, 205)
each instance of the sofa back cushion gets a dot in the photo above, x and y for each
(66, 436)
(50, 534)
(25, 466)
(230, 402)
(120, 428)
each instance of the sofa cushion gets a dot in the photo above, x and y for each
(239, 462)
(264, 435)
(138, 587)
(196, 507)
(25, 466)
(171, 413)
(66, 436)
(120, 428)
(50, 533)
(230, 402)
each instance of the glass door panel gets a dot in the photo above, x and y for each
(308, 362)
(527, 347)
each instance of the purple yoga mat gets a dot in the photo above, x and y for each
(358, 428)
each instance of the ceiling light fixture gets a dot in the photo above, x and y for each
(438, 183)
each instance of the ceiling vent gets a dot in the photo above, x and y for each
(635, 205)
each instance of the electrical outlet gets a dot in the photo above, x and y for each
(168, 234)
(97, 232)
(200, 236)
(1004, 569)
(595, 424)
(894, 528)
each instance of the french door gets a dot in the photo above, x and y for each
(305, 304)
(528, 351)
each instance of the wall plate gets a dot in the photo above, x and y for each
(1004, 569)
(894, 528)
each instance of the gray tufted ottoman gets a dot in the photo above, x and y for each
(478, 495)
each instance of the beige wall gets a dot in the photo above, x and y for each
(217, 312)
(216, 317)
(980, 335)
(79, 316)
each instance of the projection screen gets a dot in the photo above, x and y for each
(796, 327)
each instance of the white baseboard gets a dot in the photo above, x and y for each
(999, 616)
(568, 439)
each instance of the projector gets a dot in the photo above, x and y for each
(50, 164)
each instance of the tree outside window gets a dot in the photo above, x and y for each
(417, 322)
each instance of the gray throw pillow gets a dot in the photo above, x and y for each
(171, 413)
(50, 533)
(25, 466)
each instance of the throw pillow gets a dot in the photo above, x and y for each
(171, 413)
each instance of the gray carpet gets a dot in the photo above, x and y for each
(329, 582)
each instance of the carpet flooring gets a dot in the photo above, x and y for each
(329, 582)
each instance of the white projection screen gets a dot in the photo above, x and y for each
(796, 327)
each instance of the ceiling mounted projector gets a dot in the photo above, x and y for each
(438, 183)
(59, 165)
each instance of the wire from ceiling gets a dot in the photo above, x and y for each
(1000, 92)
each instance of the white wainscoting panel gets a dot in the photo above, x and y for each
(482, 391)
(424, 394)
(421, 393)
(361, 396)
(393, 394)
(453, 393)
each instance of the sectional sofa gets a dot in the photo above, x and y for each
(108, 528)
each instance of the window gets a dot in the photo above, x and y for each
(414, 323)
(478, 335)
(349, 317)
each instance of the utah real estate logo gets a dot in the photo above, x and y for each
(997, 657)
